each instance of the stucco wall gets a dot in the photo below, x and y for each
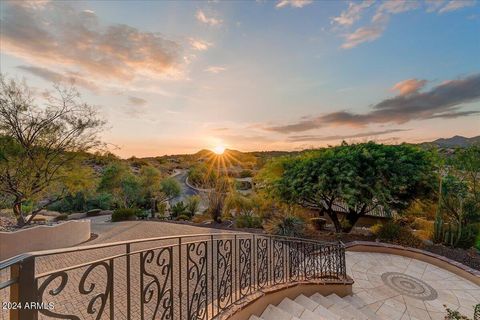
(61, 235)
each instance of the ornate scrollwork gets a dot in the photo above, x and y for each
(101, 297)
(262, 262)
(197, 280)
(278, 262)
(245, 266)
(224, 273)
(295, 260)
(160, 284)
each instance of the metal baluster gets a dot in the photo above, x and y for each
(129, 306)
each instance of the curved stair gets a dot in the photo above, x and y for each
(318, 307)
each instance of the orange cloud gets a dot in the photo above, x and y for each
(57, 35)
(409, 86)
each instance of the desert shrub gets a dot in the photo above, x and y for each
(469, 236)
(124, 214)
(286, 225)
(318, 223)
(247, 221)
(178, 209)
(245, 173)
(192, 205)
(162, 208)
(61, 217)
(394, 232)
(103, 201)
(183, 217)
(142, 214)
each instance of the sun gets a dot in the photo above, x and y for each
(219, 149)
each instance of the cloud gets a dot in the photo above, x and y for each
(200, 45)
(293, 3)
(442, 101)
(363, 34)
(456, 5)
(305, 138)
(57, 35)
(212, 21)
(215, 69)
(381, 16)
(136, 101)
(68, 78)
(409, 86)
(353, 13)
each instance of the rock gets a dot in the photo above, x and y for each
(105, 212)
(93, 212)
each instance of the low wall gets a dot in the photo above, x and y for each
(38, 238)
(440, 261)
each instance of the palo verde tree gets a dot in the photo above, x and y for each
(39, 144)
(357, 178)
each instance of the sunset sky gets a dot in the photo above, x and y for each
(176, 77)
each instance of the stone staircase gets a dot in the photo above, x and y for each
(318, 307)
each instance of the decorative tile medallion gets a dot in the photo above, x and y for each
(409, 286)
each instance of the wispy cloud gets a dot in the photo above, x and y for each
(381, 14)
(409, 86)
(58, 36)
(210, 20)
(293, 3)
(456, 5)
(136, 101)
(442, 101)
(56, 77)
(199, 44)
(305, 138)
(353, 13)
(215, 69)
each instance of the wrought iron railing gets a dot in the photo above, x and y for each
(187, 277)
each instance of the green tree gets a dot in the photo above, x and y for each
(39, 145)
(358, 177)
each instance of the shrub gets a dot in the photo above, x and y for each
(201, 218)
(61, 217)
(318, 223)
(247, 221)
(192, 205)
(103, 201)
(286, 225)
(178, 209)
(245, 173)
(394, 232)
(142, 214)
(124, 214)
(183, 217)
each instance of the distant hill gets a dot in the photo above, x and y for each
(455, 142)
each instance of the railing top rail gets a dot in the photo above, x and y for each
(21, 257)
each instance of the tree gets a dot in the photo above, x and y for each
(39, 144)
(357, 178)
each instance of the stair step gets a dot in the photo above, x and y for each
(345, 304)
(336, 300)
(318, 298)
(325, 313)
(291, 307)
(274, 313)
(306, 302)
(309, 315)
(254, 317)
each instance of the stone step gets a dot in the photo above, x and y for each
(309, 315)
(306, 302)
(326, 313)
(274, 313)
(344, 304)
(291, 307)
(254, 317)
(318, 298)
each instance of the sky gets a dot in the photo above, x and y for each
(177, 77)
